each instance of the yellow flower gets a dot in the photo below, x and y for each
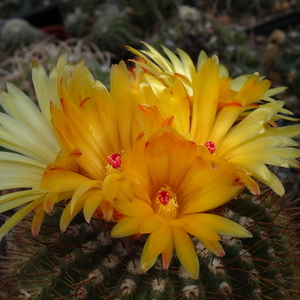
(70, 149)
(64, 148)
(174, 191)
(228, 117)
(27, 131)
(99, 125)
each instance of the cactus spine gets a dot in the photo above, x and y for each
(86, 263)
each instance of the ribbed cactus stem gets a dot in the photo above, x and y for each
(86, 263)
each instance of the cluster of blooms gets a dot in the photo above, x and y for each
(168, 144)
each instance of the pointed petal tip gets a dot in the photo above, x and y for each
(220, 252)
(194, 275)
(145, 267)
(35, 232)
(88, 219)
(35, 63)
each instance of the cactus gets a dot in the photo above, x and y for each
(17, 33)
(76, 23)
(111, 31)
(86, 263)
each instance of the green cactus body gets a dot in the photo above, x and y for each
(86, 263)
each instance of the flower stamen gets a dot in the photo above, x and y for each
(165, 204)
(115, 160)
(211, 146)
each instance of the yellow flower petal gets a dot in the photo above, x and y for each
(136, 208)
(200, 229)
(49, 201)
(126, 227)
(17, 217)
(220, 224)
(37, 221)
(251, 184)
(62, 180)
(69, 214)
(213, 246)
(167, 254)
(111, 185)
(13, 200)
(205, 100)
(80, 191)
(151, 223)
(107, 210)
(212, 200)
(91, 204)
(185, 251)
(155, 245)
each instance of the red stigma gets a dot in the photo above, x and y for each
(115, 160)
(211, 146)
(163, 197)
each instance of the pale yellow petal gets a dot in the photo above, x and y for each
(15, 199)
(17, 217)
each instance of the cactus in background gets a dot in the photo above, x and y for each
(112, 30)
(86, 263)
(17, 33)
(76, 23)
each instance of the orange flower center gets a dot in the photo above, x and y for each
(211, 146)
(165, 204)
(115, 160)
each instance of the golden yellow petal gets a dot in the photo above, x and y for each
(107, 210)
(251, 184)
(155, 245)
(62, 180)
(213, 246)
(212, 200)
(151, 223)
(185, 251)
(127, 227)
(37, 221)
(221, 225)
(200, 229)
(80, 191)
(91, 204)
(136, 208)
(49, 201)
(205, 101)
(167, 254)
(68, 215)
